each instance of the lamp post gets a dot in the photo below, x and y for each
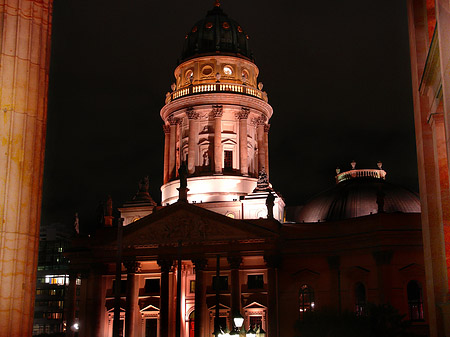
(251, 332)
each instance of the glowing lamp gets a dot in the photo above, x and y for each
(238, 320)
(75, 327)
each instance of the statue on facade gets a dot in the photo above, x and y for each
(144, 184)
(270, 202)
(109, 206)
(205, 158)
(182, 172)
(263, 182)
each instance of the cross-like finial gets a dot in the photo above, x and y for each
(217, 3)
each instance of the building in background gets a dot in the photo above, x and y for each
(219, 246)
(429, 38)
(52, 280)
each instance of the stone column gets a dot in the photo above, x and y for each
(24, 62)
(193, 139)
(132, 305)
(71, 301)
(334, 263)
(261, 147)
(200, 298)
(235, 262)
(218, 112)
(266, 148)
(243, 152)
(272, 263)
(172, 147)
(383, 261)
(166, 266)
(166, 129)
(94, 302)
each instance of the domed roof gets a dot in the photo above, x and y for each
(359, 193)
(216, 34)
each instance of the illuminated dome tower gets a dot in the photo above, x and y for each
(216, 120)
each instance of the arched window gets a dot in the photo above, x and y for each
(306, 299)
(360, 299)
(415, 301)
(191, 324)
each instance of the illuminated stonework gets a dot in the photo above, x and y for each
(216, 119)
(24, 56)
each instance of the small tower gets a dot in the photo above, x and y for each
(216, 118)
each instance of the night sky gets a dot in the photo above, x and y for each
(336, 72)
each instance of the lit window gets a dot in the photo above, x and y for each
(360, 299)
(231, 215)
(192, 286)
(227, 70)
(306, 299)
(415, 301)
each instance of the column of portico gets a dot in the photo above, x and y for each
(200, 298)
(266, 147)
(193, 139)
(94, 302)
(243, 152)
(272, 263)
(261, 147)
(166, 129)
(217, 112)
(172, 147)
(235, 263)
(132, 296)
(166, 266)
(384, 274)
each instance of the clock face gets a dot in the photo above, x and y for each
(227, 70)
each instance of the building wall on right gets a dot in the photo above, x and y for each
(429, 38)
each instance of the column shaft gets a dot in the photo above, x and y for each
(200, 299)
(266, 148)
(94, 304)
(235, 284)
(172, 149)
(272, 295)
(261, 147)
(165, 265)
(243, 152)
(166, 152)
(71, 301)
(24, 63)
(192, 142)
(218, 112)
(132, 307)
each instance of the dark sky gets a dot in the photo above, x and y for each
(336, 72)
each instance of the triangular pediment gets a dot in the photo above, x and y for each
(189, 223)
(149, 308)
(255, 305)
(305, 275)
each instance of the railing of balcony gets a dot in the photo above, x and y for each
(365, 173)
(217, 87)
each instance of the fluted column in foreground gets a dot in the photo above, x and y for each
(243, 152)
(193, 139)
(218, 112)
(24, 61)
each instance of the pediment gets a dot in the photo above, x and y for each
(149, 308)
(255, 305)
(189, 223)
(305, 275)
(412, 270)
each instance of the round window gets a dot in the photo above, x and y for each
(207, 70)
(189, 74)
(245, 74)
(227, 70)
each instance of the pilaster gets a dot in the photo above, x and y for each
(243, 152)
(193, 138)
(166, 129)
(217, 113)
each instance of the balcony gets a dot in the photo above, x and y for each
(216, 88)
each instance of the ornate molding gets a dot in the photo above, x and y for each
(217, 111)
(266, 127)
(165, 264)
(243, 114)
(132, 267)
(172, 120)
(192, 114)
(166, 129)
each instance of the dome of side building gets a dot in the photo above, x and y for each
(359, 193)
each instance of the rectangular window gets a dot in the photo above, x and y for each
(192, 286)
(223, 283)
(255, 321)
(152, 285)
(151, 328)
(228, 160)
(255, 281)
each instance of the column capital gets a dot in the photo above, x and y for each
(266, 127)
(165, 264)
(272, 260)
(234, 261)
(132, 267)
(217, 111)
(191, 113)
(166, 129)
(243, 114)
(200, 264)
(172, 120)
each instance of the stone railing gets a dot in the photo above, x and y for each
(365, 173)
(216, 87)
